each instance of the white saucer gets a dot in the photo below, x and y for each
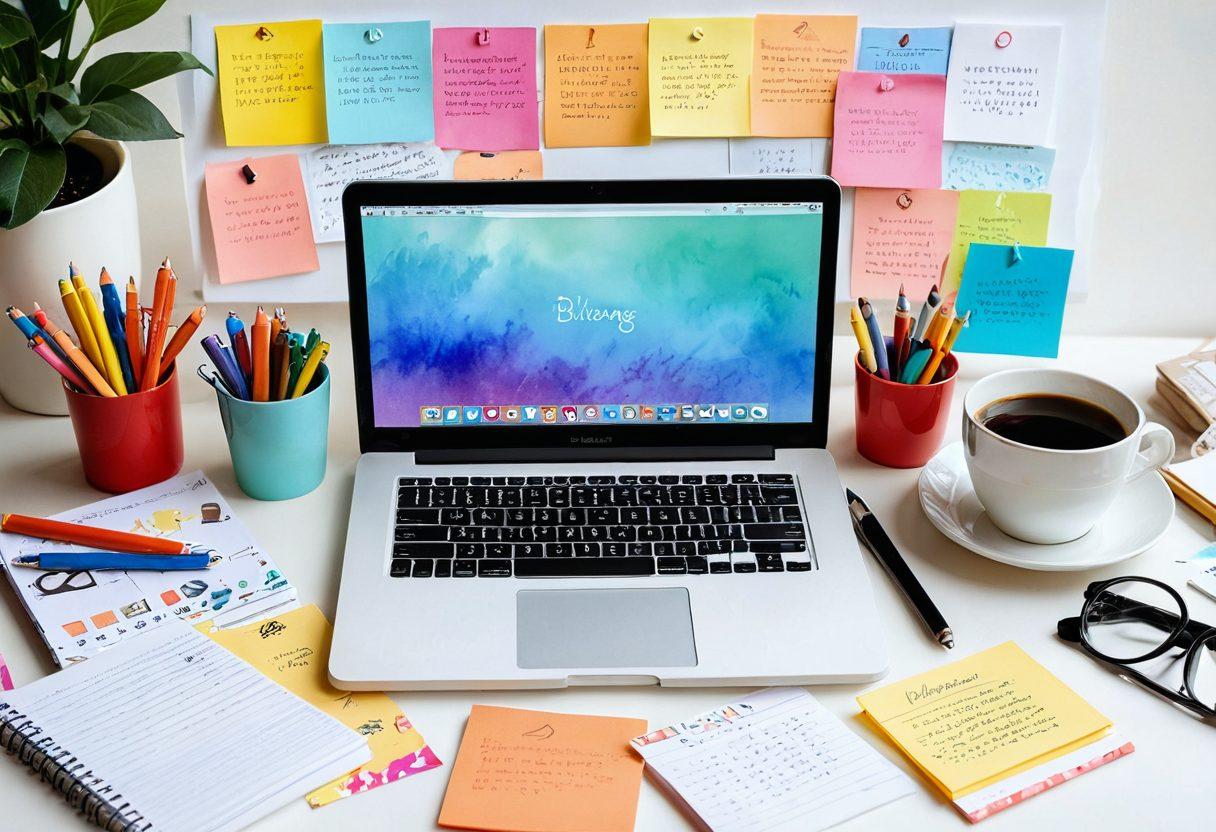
(1139, 517)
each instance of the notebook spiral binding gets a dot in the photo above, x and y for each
(83, 791)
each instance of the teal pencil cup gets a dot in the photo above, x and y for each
(278, 448)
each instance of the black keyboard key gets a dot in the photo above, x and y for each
(768, 514)
(498, 550)
(423, 550)
(423, 568)
(583, 567)
(460, 480)
(586, 550)
(612, 550)
(730, 494)
(714, 547)
(650, 533)
(791, 514)
(594, 533)
(777, 496)
(691, 479)
(741, 478)
(413, 480)
(672, 566)
(740, 514)
(443, 569)
(718, 567)
(634, 516)
(603, 516)
(664, 549)
(776, 546)
(601, 480)
(479, 480)
(533, 496)
(529, 550)
(770, 563)
(647, 479)
(696, 565)
(516, 480)
(694, 514)
(400, 568)
(443, 480)
(579, 480)
(715, 479)
(573, 517)
(536, 480)
(798, 566)
(664, 517)
(622, 534)
(409, 497)
(470, 550)
(494, 568)
(520, 517)
(455, 516)
(559, 550)
(745, 567)
(418, 515)
(544, 534)
(640, 550)
(421, 533)
(686, 548)
(773, 531)
(777, 478)
(489, 517)
(668, 479)
(559, 496)
(499, 481)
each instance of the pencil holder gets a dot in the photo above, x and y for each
(902, 425)
(278, 448)
(128, 442)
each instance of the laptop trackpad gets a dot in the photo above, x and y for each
(604, 628)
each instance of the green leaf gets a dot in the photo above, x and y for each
(65, 93)
(112, 16)
(65, 121)
(30, 177)
(128, 117)
(14, 26)
(51, 18)
(129, 70)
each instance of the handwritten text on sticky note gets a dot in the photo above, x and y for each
(505, 165)
(888, 130)
(902, 51)
(485, 88)
(797, 59)
(900, 238)
(999, 167)
(699, 69)
(995, 217)
(778, 157)
(596, 92)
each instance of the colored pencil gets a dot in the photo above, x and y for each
(79, 360)
(902, 332)
(97, 322)
(310, 368)
(880, 344)
(135, 331)
(260, 338)
(863, 340)
(281, 361)
(933, 301)
(40, 318)
(939, 326)
(162, 308)
(180, 338)
(240, 344)
(95, 561)
(39, 345)
(939, 355)
(80, 323)
(98, 538)
(111, 306)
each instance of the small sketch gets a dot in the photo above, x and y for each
(135, 608)
(162, 523)
(211, 513)
(542, 733)
(372, 726)
(193, 589)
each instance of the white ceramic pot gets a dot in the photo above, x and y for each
(99, 230)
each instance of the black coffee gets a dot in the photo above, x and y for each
(1061, 423)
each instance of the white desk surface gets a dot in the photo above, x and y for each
(1166, 784)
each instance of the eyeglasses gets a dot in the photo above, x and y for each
(55, 583)
(1128, 621)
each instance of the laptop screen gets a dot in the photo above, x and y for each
(534, 315)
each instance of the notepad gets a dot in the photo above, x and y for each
(171, 731)
(1194, 482)
(776, 760)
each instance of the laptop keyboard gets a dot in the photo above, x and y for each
(598, 526)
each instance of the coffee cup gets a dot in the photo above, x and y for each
(1049, 450)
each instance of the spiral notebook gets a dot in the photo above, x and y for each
(133, 737)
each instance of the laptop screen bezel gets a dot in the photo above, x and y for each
(811, 434)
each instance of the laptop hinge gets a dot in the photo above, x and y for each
(594, 454)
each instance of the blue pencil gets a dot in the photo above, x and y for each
(880, 350)
(113, 313)
(79, 561)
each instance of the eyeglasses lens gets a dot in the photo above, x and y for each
(1130, 619)
(1203, 682)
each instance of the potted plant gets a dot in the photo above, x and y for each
(66, 190)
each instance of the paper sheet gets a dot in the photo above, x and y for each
(923, 51)
(888, 130)
(900, 237)
(796, 60)
(999, 167)
(378, 82)
(596, 89)
(537, 771)
(485, 93)
(699, 76)
(995, 217)
(272, 83)
(778, 157)
(1203, 562)
(508, 165)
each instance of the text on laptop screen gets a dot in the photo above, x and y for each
(537, 315)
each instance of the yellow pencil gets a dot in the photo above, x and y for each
(939, 326)
(310, 368)
(863, 340)
(939, 355)
(80, 323)
(109, 358)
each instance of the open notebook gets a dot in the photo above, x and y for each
(133, 736)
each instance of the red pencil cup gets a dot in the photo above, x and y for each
(902, 425)
(131, 441)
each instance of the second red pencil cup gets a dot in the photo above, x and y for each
(128, 442)
(902, 425)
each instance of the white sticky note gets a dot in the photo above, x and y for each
(778, 157)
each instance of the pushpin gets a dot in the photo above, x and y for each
(249, 173)
(372, 35)
(800, 28)
(886, 84)
(904, 201)
(697, 33)
(1017, 254)
(263, 33)
(905, 39)
(591, 38)
(1003, 40)
(483, 37)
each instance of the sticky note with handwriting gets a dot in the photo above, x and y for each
(272, 86)
(900, 237)
(537, 771)
(699, 70)
(1002, 217)
(778, 157)
(596, 92)
(485, 88)
(888, 130)
(999, 167)
(378, 82)
(923, 51)
(508, 165)
(796, 60)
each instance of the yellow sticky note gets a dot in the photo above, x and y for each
(596, 93)
(699, 74)
(293, 650)
(505, 164)
(797, 59)
(999, 217)
(982, 719)
(272, 83)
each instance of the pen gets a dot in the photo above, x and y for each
(38, 345)
(876, 340)
(871, 533)
(863, 339)
(933, 301)
(83, 535)
(79, 561)
(240, 345)
(35, 326)
(902, 331)
(310, 368)
(226, 366)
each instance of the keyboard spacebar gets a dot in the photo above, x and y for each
(582, 567)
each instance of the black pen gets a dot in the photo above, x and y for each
(871, 533)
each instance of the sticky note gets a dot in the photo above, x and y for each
(999, 167)
(699, 71)
(921, 51)
(596, 89)
(509, 164)
(544, 772)
(1017, 305)
(1001, 86)
(888, 130)
(778, 157)
(259, 229)
(272, 86)
(796, 60)
(485, 93)
(900, 237)
(995, 217)
(378, 82)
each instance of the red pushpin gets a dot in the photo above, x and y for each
(904, 40)
(1003, 40)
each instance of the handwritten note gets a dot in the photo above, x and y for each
(509, 165)
(699, 70)
(796, 60)
(923, 51)
(272, 89)
(329, 169)
(260, 229)
(378, 82)
(778, 157)
(888, 130)
(485, 88)
(1002, 83)
(544, 772)
(1000, 217)
(984, 718)
(999, 167)
(596, 92)
(900, 238)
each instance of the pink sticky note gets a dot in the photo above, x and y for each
(888, 130)
(260, 228)
(485, 88)
(900, 237)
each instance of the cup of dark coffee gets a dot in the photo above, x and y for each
(1049, 450)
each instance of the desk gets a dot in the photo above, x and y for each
(1166, 784)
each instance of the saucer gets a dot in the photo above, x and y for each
(1138, 518)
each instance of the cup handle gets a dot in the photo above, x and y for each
(1156, 449)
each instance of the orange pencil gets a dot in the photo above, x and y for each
(135, 331)
(77, 358)
(182, 337)
(276, 326)
(260, 333)
(162, 308)
(108, 539)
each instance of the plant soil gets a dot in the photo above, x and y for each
(84, 176)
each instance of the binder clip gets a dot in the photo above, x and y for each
(483, 37)
(1017, 254)
(373, 35)
(886, 84)
(697, 33)
(1003, 40)
(249, 173)
(263, 33)
(591, 38)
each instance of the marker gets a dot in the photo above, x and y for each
(863, 340)
(240, 344)
(876, 339)
(162, 308)
(310, 367)
(94, 536)
(80, 561)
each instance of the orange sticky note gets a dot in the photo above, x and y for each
(260, 228)
(596, 91)
(795, 62)
(506, 164)
(900, 237)
(536, 771)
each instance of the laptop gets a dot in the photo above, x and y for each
(592, 419)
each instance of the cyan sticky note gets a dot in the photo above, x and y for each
(923, 51)
(999, 167)
(1017, 306)
(378, 82)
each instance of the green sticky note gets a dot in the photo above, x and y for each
(999, 217)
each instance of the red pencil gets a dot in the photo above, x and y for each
(902, 332)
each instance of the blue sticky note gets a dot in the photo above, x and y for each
(905, 51)
(378, 82)
(998, 167)
(1017, 306)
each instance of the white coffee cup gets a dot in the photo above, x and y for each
(1043, 495)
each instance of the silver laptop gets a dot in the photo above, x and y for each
(592, 418)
